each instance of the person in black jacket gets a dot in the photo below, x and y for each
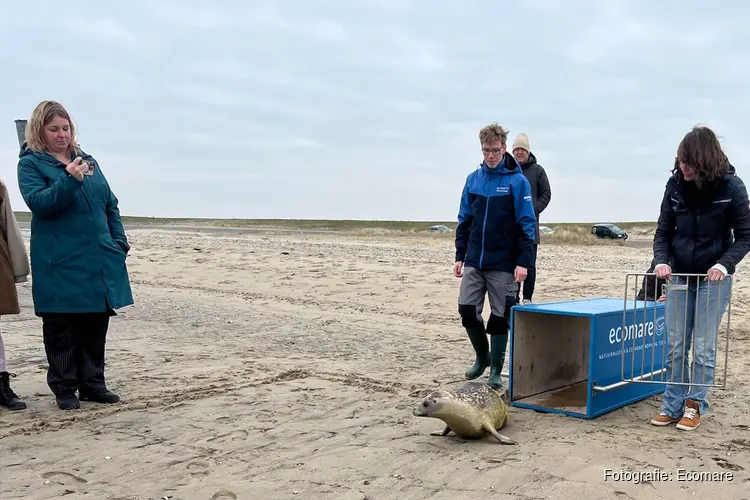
(703, 229)
(541, 194)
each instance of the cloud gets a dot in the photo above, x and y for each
(257, 16)
(616, 33)
(266, 76)
(369, 108)
(101, 30)
(391, 48)
(270, 17)
(198, 16)
(235, 98)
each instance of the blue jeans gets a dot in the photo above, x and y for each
(684, 328)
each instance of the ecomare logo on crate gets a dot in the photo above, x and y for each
(578, 357)
(660, 326)
(639, 330)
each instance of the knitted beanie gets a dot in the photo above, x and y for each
(522, 141)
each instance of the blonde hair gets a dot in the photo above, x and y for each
(40, 117)
(493, 132)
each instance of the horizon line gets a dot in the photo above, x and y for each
(318, 220)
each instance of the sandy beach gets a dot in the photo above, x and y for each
(280, 366)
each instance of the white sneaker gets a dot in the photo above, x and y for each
(526, 301)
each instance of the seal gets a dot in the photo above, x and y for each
(472, 411)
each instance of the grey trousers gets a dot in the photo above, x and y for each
(502, 290)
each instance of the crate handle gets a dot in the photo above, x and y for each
(607, 388)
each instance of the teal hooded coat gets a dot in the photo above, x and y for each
(78, 245)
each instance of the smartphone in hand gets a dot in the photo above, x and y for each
(88, 168)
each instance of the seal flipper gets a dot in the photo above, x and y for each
(444, 432)
(498, 436)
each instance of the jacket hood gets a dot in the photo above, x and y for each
(24, 150)
(46, 157)
(530, 161)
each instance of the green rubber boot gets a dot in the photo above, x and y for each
(498, 346)
(482, 349)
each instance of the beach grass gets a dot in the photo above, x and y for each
(564, 233)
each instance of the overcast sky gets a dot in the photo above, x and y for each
(371, 108)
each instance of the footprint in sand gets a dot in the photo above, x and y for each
(501, 460)
(198, 468)
(224, 495)
(726, 464)
(64, 478)
(239, 434)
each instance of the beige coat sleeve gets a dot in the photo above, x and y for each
(19, 259)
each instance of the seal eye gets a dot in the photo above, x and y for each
(425, 404)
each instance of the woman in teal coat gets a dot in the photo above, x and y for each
(78, 252)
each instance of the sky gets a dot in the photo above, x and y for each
(371, 109)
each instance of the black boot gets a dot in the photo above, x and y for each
(67, 401)
(8, 398)
(91, 366)
(498, 346)
(99, 396)
(482, 349)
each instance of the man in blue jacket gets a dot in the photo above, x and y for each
(494, 248)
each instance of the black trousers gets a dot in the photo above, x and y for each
(74, 344)
(530, 281)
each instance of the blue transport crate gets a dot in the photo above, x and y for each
(566, 357)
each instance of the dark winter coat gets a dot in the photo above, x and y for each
(541, 192)
(697, 229)
(78, 244)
